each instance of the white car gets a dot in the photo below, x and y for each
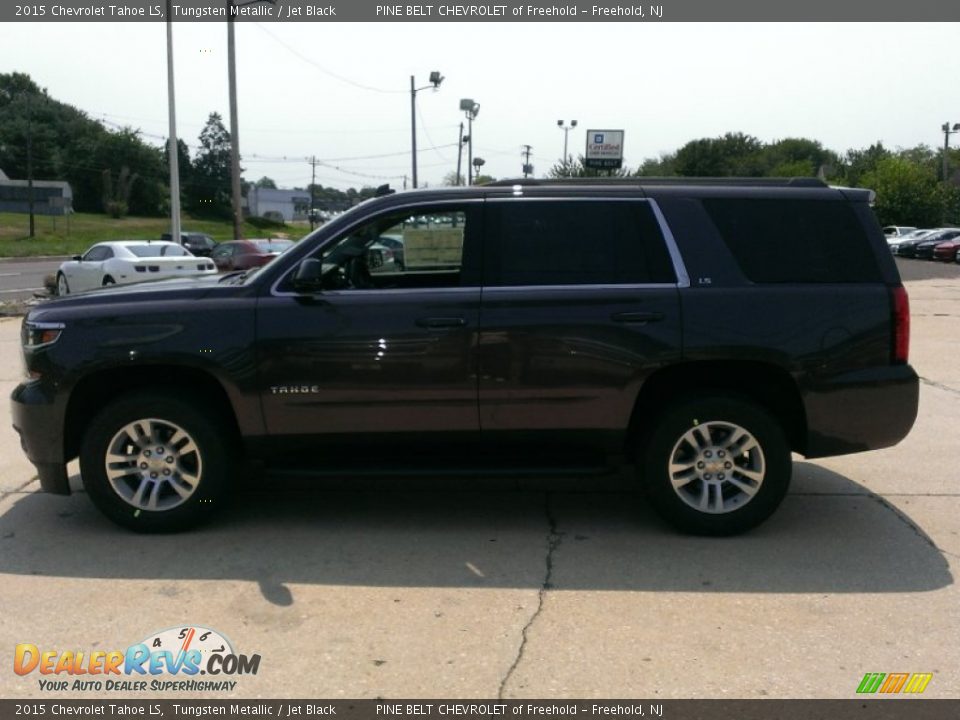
(129, 261)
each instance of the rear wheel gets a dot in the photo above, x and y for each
(715, 465)
(156, 463)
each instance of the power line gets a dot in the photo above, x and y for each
(324, 70)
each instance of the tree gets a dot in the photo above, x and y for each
(664, 166)
(483, 179)
(907, 193)
(210, 191)
(451, 179)
(857, 163)
(796, 157)
(733, 155)
(266, 182)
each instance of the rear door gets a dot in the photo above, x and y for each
(580, 304)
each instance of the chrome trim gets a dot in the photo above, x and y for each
(366, 218)
(683, 279)
(34, 325)
(493, 289)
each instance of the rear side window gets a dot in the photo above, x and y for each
(795, 241)
(574, 242)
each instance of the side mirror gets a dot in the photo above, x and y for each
(78, 257)
(309, 276)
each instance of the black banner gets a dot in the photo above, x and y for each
(459, 11)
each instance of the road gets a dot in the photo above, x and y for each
(20, 279)
(540, 589)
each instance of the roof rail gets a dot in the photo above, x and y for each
(641, 180)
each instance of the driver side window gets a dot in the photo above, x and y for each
(423, 248)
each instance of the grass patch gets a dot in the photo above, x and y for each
(53, 238)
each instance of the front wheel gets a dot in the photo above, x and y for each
(63, 288)
(715, 465)
(156, 463)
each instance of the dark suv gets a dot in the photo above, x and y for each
(701, 330)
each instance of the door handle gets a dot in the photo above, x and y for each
(637, 317)
(441, 322)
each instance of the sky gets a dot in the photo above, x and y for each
(341, 91)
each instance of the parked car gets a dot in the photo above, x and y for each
(924, 249)
(947, 250)
(199, 244)
(246, 254)
(121, 262)
(908, 248)
(690, 328)
(897, 230)
(894, 241)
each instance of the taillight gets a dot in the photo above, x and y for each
(901, 324)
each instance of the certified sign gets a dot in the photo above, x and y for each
(604, 149)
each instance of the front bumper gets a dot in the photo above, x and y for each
(38, 420)
(863, 410)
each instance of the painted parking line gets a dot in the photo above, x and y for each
(22, 290)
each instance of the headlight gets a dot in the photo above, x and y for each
(38, 334)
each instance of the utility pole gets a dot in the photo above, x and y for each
(313, 182)
(30, 163)
(234, 127)
(459, 151)
(413, 127)
(173, 148)
(527, 167)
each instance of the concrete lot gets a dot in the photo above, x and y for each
(534, 589)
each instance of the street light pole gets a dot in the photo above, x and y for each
(234, 127)
(435, 79)
(947, 132)
(566, 131)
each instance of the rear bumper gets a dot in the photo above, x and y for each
(38, 420)
(863, 410)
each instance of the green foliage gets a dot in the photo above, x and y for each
(266, 182)
(209, 190)
(577, 169)
(68, 145)
(262, 223)
(907, 193)
(733, 155)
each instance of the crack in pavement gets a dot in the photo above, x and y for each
(910, 524)
(20, 489)
(554, 538)
(940, 386)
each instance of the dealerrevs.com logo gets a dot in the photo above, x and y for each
(169, 660)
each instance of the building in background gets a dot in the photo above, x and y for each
(50, 197)
(278, 204)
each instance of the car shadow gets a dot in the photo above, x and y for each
(831, 535)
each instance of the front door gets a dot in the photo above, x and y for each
(383, 348)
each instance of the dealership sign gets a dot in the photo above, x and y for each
(604, 149)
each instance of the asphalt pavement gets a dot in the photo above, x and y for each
(551, 588)
(21, 278)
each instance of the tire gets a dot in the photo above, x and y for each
(200, 462)
(63, 287)
(715, 465)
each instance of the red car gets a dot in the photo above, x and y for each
(947, 250)
(246, 254)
